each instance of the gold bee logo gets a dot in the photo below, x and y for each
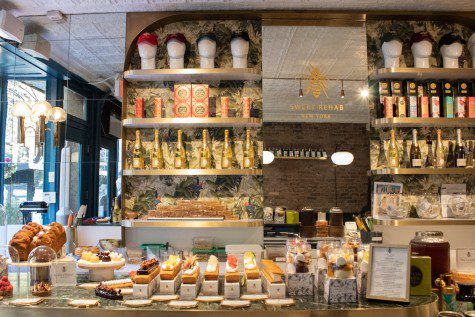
(447, 85)
(464, 86)
(412, 85)
(432, 86)
(316, 83)
(384, 85)
(396, 85)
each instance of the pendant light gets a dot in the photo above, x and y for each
(300, 89)
(57, 115)
(40, 112)
(342, 91)
(21, 110)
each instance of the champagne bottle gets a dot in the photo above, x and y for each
(205, 152)
(450, 162)
(415, 153)
(405, 159)
(460, 156)
(430, 154)
(382, 158)
(137, 159)
(248, 152)
(157, 154)
(180, 154)
(439, 151)
(116, 213)
(227, 155)
(393, 151)
(470, 154)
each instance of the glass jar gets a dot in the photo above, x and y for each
(433, 244)
(40, 260)
(459, 206)
(428, 207)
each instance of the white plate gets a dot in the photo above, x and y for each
(183, 303)
(209, 299)
(101, 265)
(137, 302)
(254, 297)
(84, 302)
(280, 302)
(164, 298)
(236, 303)
(27, 301)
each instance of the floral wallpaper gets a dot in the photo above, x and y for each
(414, 185)
(241, 194)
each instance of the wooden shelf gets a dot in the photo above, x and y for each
(300, 158)
(423, 73)
(421, 171)
(192, 74)
(191, 122)
(423, 122)
(196, 223)
(424, 222)
(186, 172)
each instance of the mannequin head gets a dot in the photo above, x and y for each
(240, 49)
(392, 49)
(421, 47)
(471, 48)
(451, 47)
(147, 45)
(207, 49)
(176, 47)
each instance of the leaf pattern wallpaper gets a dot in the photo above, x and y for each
(241, 194)
(414, 185)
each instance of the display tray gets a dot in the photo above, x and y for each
(421, 171)
(192, 74)
(195, 223)
(185, 172)
(423, 73)
(57, 305)
(191, 122)
(424, 123)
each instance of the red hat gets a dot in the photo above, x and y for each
(419, 37)
(148, 38)
(177, 36)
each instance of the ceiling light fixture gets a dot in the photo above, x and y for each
(342, 91)
(300, 90)
(364, 92)
(267, 157)
(342, 158)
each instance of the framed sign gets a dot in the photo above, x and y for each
(385, 198)
(389, 273)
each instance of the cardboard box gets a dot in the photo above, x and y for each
(224, 107)
(423, 100)
(64, 272)
(146, 290)
(139, 107)
(300, 284)
(246, 107)
(254, 286)
(189, 291)
(169, 287)
(157, 107)
(471, 107)
(411, 93)
(421, 275)
(232, 290)
(210, 288)
(182, 100)
(340, 290)
(401, 107)
(434, 100)
(200, 101)
(448, 100)
(274, 290)
(460, 105)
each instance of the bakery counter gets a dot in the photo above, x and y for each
(57, 306)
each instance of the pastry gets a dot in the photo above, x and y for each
(6, 288)
(147, 272)
(122, 283)
(340, 267)
(232, 272)
(170, 268)
(250, 266)
(108, 292)
(191, 270)
(464, 277)
(212, 269)
(41, 289)
(271, 271)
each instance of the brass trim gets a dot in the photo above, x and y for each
(192, 223)
(423, 73)
(186, 172)
(193, 74)
(421, 171)
(424, 222)
(423, 122)
(194, 122)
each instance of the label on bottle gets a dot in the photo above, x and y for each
(178, 162)
(155, 162)
(137, 163)
(416, 162)
(461, 162)
(393, 162)
(440, 162)
(225, 163)
(247, 162)
(460, 103)
(224, 107)
(204, 162)
(246, 107)
(139, 107)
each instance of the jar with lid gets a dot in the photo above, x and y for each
(433, 244)
(308, 219)
(336, 222)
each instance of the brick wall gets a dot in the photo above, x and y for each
(299, 183)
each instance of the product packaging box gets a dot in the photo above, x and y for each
(182, 100)
(461, 101)
(274, 290)
(157, 107)
(170, 287)
(448, 100)
(300, 284)
(340, 290)
(246, 107)
(411, 93)
(398, 98)
(421, 275)
(423, 100)
(401, 107)
(146, 290)
(200, 101)
(385, 100)
(139, 107)
(471, 107)
(189, 291)
(210, 288)
(254, 286)
(224, 107)
(64, 271)
(232, 290)
(434, 100)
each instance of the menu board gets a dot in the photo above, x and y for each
(389, 274)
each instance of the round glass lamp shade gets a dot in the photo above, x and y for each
(267, 157)
(342, 158)
(57, 114)
(41, 109)
(42, 254)
(21, 109)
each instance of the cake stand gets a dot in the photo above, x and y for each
(101, 271)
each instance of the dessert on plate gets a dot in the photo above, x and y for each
(101, 257)
(41, 289)
(171, 267)
(147, 271)
(212, 269)
(191, 270)
(271, 271)
(108, 292)
(6, 288)
(250, 266)
(232, 270)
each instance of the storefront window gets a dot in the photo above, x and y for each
(24, 164)
(104, 182)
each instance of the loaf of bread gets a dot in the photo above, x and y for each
(33, 235)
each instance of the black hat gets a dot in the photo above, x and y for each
(389, 36)
(419, 37)
(449, 39)
(209, 36)
(243, 35)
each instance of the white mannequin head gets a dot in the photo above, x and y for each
(392, 50)
(176, 47)
(207, 50)
(147, 45)
(240, 49)
(451, 47)
(421, 47)
(471, 48)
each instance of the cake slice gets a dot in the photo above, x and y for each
(191, 270)
(232, 270)
(147, 272)
(271, 271)
(250, 266)
(170, 268)
(212, 269)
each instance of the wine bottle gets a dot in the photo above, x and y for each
(116, 213)
(393, 151)
(405, 159)
(180, 154)
(248, 152)
(227, 155)
(157, 154)
(450, 162)
(460, 157)
(470, 155)
(439, 151)
(430, 154)
(415, 153)
(137, 159)
(382, 158)
(205, 152)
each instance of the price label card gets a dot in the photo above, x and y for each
(466, 260)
